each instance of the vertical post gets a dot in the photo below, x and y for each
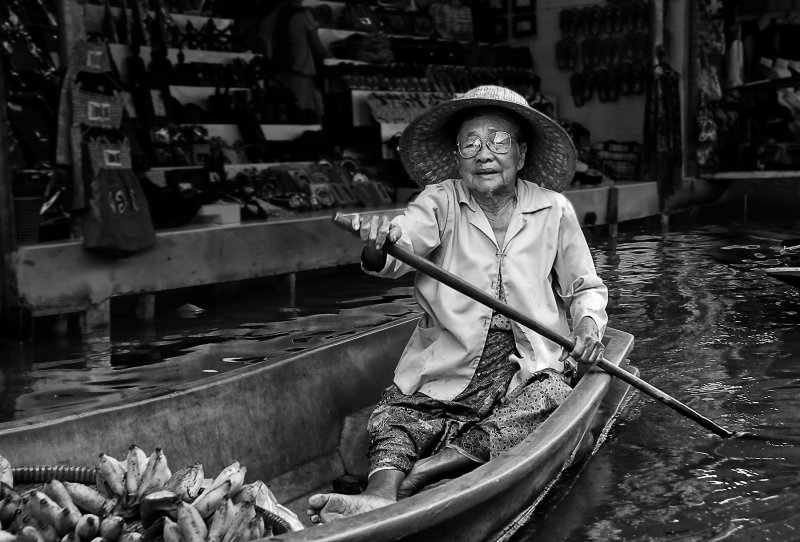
(292, 278)
(690, 135)
(612, 211)
(14, 321)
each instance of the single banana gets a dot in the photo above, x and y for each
(69, 537)
(190, 523)
(55, 490)
(48, 509)
(156, 473)
(87, 499)
(225, 474)
(6, 474)
(112, 472)
(186, 482)
(224, 512)
(156, 504)
(171, 531)
(237, 480)
(9, 506)
(49, 533)
(130, 536)
(136, 464)
(16, 522)
(88, 527)
(30, 504)
(208, 501)
(111, 528)
(246, 512)
(29, 533)
(6, 536)
(67, 521)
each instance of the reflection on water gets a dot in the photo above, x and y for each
(711, 329)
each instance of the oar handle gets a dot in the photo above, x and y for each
(460, 285)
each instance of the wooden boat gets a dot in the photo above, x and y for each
(789, 275)
(284, 420)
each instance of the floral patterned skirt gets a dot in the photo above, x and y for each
(481, 422)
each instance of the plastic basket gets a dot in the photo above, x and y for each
(27, 218)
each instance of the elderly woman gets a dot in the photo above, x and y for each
(472, 384)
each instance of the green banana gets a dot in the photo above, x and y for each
(88, 500)
(87, 528)
(48, 510)
(219, 521)
(130, 536)
(111, 528)
(29, 534)
(186, 482)
(156, 504)
(6, 474)
(208, 501)
(112, 473)
(190, 523)
(9, 506)
(55, 490)
(246, 512)
(171, 531)
(136, 464)
(67, 521)
(156, 473)
(225, 474)
(48, 533)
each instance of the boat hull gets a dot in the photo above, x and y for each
(789, 275)
(284, 420)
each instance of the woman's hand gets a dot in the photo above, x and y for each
(588, 345)
(375, 230)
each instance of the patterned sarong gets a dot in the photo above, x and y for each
(481, 422)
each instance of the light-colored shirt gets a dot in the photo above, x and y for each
(547, 271)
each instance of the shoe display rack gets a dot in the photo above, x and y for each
(383, 52)
(608, 49)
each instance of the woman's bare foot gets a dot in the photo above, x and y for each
(443, 464)
(327, 507)
(417, 478)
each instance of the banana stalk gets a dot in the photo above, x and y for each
(6, 474)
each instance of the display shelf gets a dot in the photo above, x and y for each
(197, 94)
(94, 18)
(763, 175)
(233, 169)
(120, 52)
(277, 132)
(770, 84)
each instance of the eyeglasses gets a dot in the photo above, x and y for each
(498, 143)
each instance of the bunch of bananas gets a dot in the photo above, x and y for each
(60, 512)
(178, 507)
(227, 510)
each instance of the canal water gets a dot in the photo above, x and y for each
(711, 329)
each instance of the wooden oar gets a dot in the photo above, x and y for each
(460, 285)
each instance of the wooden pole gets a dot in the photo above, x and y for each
(11, 318)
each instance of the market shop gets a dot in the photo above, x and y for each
(223, 159)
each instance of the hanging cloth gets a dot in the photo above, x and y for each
(662, 139)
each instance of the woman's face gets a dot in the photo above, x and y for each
(488, 173)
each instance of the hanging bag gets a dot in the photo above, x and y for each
(118, 221)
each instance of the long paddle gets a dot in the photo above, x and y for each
(460, 285)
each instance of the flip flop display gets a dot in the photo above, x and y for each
(614, 49)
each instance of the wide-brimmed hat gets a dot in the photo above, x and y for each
(427, 146)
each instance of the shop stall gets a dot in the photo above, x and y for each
(158, 144)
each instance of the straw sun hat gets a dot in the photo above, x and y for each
(428, 148)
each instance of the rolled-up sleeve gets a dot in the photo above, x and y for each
(422, 224)
(582, 290)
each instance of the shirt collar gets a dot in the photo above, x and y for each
(530, 196)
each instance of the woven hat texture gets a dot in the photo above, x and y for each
(428, 150)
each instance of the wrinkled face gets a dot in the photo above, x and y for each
(490, 173)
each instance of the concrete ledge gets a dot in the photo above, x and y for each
(60, 278)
